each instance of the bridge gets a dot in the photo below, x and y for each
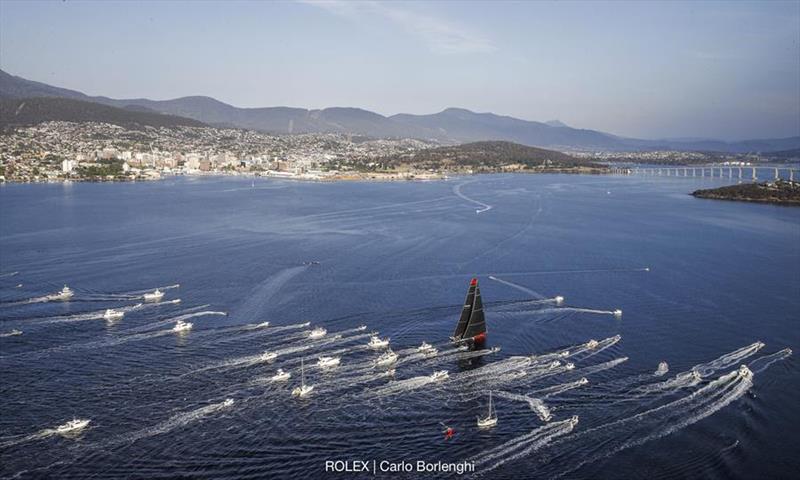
(753, 173)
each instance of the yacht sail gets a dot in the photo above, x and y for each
(471, 328)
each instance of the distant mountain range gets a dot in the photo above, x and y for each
(453, 125)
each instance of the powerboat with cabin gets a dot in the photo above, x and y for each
(111, 314)
(327, 362)
(440, 375)
(592, 344)
(281, 376)
(181, 326)
(74, 425)
(377, 343)
(427, 349)
(154, 296)
(64, 294)
(268, 356)
(318, 332)
(386, 359)
(490, 420)
(227, 403)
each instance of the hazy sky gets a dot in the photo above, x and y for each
(723, 69)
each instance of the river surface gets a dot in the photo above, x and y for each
(699, 283)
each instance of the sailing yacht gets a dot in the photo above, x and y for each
(490, 420)
(303, 390)
(471, 328)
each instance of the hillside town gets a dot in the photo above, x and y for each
(57, 151)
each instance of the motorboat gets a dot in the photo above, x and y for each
(181, 326)
(573, 421)
(268, 356)
(427, 349)
(327, 362)
(281, 376)
(153, 296)
(111, 314)
(559, 300)
(490, 420)
(262, 325)
(318, 332)
(440, 375)
(386, 359)
(569, 366)
(12, 333)
(303, 390)
(745, 372)
(74, 425)
(64, 294)
(377, 343)
(227, 403)
(617, 313)
(592, 344)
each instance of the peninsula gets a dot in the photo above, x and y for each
(780, 192)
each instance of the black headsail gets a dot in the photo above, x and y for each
(466, 311)
(476, 325)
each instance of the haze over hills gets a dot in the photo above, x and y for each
(452, 125)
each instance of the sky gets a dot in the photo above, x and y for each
(727, 70)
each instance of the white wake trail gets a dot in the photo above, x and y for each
(484, 207)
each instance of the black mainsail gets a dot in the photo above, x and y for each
(471, 327)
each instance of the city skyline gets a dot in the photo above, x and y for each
(666, 70)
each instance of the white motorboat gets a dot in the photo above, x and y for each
(281, 376)
(569, 366)
(427, 349)
(617, 313)
(592, 344)
(559, 300)
(303, 390)
(154, 296)
(386, 359)
(268, 356)
(745, 372)
(227, 403)
(377, 343)
(574, 420)
(111, 314)
(327, 362)
(440, 375)
(318, 332)
(13, 333)
(64, 294)
(74, 425)
(390, 372)
(262, 325)
(490, 420)
(181, 326)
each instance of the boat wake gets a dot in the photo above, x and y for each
(483, 206)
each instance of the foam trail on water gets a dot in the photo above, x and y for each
(9, 334)
(559, 389)
(586, 371)
(727, 360)
(659, 422)
(762, 363)
(177, 421)
(484, 207)
(8, 274)
(535, 404)
(527, 290)
(10, 441)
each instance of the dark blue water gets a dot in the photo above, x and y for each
(699, 283)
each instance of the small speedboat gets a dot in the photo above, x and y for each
(227, 403)
(181, 326)
(490, 420)
(386, 359)
(592, 344)
(318, 332)
(268, 356)
(74, 425)
(569, 366)
(262, 325)
(111, 314)
(574, 420)
(64, 294)
(281, 376)
(376, 343)
(617, 313)
(745, 372)
(559, 300)
(427, 349)
(154, 296)
(12, 333)
(440, 375)
(327, 362)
